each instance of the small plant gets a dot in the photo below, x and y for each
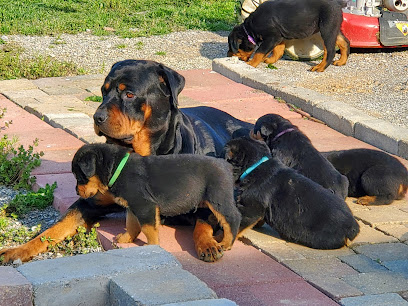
(271, 66)
(139, 45)
(23, 203)
(162, 53)
(121, 46)
(94, 98)
(58, 41)
(10, 234)
(82, 243)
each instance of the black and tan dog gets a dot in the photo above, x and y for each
(295, 150)
(299, 209)
(262, 34)
(153, 186)
(140, 111)
(376, 178)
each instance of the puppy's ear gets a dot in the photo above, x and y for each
(87, 164)
(234, 41)
(172, 82)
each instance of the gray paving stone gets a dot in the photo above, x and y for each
(399, 231)
(381, 134)
(19, 84)
(208, 302)
(84, 279)
(231, 68)
(334, 287)
(369, 235)
(15, 289)
(310, 253)
(324, 267)
(362, 263)
(281, 252)
(382, 215)
(63, 90)
(384, 251)
(335, 115)
(390, 299)
(399, 266)
(377, 282)
(157, 287)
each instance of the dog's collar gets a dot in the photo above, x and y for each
(253, 167)
(118, 170)
(283, 133)
(250, 38)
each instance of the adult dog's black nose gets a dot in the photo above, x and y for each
(100, 116)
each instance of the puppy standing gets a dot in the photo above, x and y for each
(151, 186)
(299, 209)
(295, 150)
(264, 31)
(376, 178)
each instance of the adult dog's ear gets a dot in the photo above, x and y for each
(173, 81)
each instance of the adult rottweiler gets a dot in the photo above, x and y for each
(153, 186)
(264, 31)
(140, 110)
(295, 150)
(376, 178)
(299, 209)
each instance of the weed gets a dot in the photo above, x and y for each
(94, 98)
(162, 53)
(271, 66)
(23, 203)
(13, 65)
(121, 46)
(82, 243)
(139, 45)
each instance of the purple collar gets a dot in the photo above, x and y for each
(283, 133)
(250, 38)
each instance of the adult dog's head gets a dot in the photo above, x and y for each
(138, 99)
(239, 43)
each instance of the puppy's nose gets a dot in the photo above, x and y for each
(100, 117)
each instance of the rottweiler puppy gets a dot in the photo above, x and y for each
(262, 34)
(375, 177)
(158, 185)
(295, 150)
(299, 209)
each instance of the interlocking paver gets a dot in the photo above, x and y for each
(320, 267)
(15, 289)
(377, 282)
(383, 215)
(392, 299)
(334, 287)
(384, 251)
(399, 231)
(398, 266)
(369, 234)
(362, 263)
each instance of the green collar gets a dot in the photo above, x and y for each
(118, 170)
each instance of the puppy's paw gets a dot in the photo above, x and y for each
(209, 250)
(366, 200)
(123, 238)
(12, 254)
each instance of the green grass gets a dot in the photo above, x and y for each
(128, 18)
(14, 66)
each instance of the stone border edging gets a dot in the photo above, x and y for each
(343, 118)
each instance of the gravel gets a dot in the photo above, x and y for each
(375, 81)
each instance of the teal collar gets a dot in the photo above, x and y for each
(253, 167)
(118, 170)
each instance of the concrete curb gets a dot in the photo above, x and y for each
(135, 276)
(342, 118)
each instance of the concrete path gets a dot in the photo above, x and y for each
(261, 270)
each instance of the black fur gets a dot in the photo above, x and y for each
(299, 209)
(295, 150)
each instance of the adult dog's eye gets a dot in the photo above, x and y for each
(129, 95)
